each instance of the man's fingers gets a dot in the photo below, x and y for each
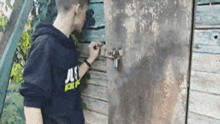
(95, 45)
(100, 43)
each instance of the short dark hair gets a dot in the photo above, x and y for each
(66, 5)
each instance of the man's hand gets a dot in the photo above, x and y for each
(93, 53)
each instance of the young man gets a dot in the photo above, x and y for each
(51, 86)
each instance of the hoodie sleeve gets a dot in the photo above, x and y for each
(37, 85)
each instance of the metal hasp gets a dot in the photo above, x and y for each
(112, 54)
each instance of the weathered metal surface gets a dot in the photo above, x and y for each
(148, 87)
(7, 58)
(207, 16)
(206, 41)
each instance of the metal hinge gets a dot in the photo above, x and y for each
(112, 54)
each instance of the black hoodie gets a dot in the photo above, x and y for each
(51, 80)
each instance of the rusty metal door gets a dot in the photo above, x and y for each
(150, 84)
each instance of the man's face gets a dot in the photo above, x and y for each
(80, 18)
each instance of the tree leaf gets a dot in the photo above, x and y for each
(6, 8)
(8, 2)
(23, 62)
(21, 2)
(15, 7)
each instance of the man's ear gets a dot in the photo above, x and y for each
(77, 8)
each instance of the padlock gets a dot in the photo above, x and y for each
(116, 62)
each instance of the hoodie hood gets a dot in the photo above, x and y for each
(44, 28)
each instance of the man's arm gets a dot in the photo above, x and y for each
(33, 115)
(93, 54)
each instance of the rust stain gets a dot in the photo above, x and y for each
(166, 98)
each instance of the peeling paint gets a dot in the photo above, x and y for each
(130, 10)
(130, 24)
(155, 27)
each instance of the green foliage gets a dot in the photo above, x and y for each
(15, 6)
(13, 111)
(47, 12)
(20, 57)
(16, 73)
(3, 18)
(8, 3)
(3, 21)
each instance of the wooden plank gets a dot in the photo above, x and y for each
(96, 21)
(207, 17)
(96, 1)
(95, 118)
(98, 15)
(205, 82)
(215, 1)
(96, 105)
(98, 82)
(95, 16)
(84, 49)
(195, 118)
(207, 41)
(202, 2)
(98, 65)
(155, 37)
(96, 92)
(206, 62)
(93, 35)
(97, 75)
(205, 104)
